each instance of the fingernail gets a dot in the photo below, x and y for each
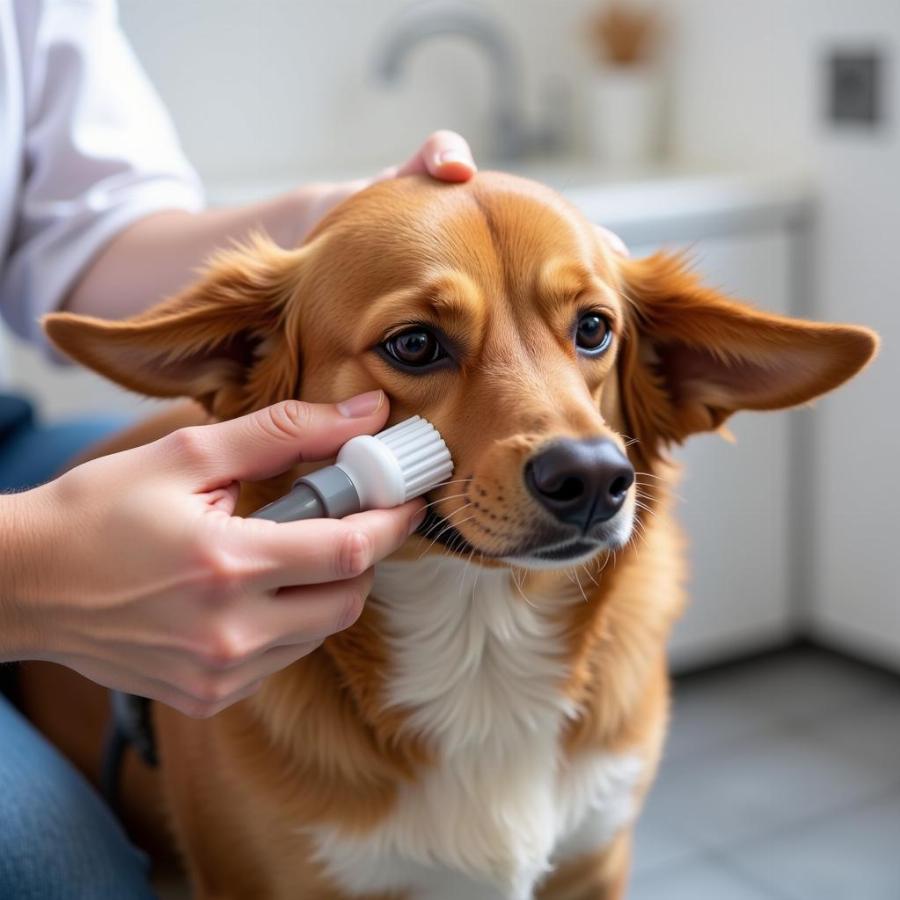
(361, 405)
(447, 157)
(416, 520)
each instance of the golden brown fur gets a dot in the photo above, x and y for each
(500, 265)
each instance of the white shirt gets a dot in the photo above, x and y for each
(86, 149)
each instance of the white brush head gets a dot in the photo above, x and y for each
(399, 463)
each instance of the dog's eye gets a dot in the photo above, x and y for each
(417, 348)
(593, 333)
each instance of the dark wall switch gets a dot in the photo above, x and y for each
(855, 87)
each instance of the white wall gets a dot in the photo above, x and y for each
(285, 87)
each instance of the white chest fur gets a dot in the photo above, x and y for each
(480, 670)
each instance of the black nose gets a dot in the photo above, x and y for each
(580, 482)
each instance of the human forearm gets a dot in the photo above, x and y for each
(160, 254)
(21, 540)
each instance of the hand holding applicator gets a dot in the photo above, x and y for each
(371, 472)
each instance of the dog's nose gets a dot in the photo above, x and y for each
(580, 482)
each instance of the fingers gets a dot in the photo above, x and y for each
(613, 240)
(206, 693)
(203, 692)
(270, 440)
(173, 692)
(300, 614)
(191, 687)
(322, 550)
(445, 155)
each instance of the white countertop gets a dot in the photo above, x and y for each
(666, 203)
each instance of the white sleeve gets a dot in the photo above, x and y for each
(100, 153)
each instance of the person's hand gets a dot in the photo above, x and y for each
(444, 155)
(616, 244)
(132, 570)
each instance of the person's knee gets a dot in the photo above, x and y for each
(58, 838)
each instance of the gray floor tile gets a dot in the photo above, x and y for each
(700, 878)
(871, 732)
(770, 781)
(707, 718)
(715, 710)
(656, 844)
(853, 855)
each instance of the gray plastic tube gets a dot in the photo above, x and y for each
(325, 494)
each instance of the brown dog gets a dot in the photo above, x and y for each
(482, 731)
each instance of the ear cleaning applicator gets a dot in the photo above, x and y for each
(371, 472)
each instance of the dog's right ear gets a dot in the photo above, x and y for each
(227, 341)
(693, 356)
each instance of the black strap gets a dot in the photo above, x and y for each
(9, 683)
(15, 413)
(131, 725)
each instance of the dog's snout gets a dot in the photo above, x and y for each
(580, 482)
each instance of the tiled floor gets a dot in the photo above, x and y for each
(781, 780)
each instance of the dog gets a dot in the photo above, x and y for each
(490, 725)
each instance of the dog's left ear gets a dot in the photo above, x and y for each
(226, 340)
(692, 357)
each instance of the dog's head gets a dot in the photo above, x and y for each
(551, 366)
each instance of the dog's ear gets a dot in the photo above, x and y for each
(692, 357)
(226, 341)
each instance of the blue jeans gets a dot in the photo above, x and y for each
(58, 839)
(32, 452)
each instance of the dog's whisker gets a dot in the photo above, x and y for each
(609, 555)
(587, 572)
(477, 575)
(520, 590)
(447, 527)
(442, 499)
(462, 577)
(444, 519)
(447, 522)
(640, 496)
(580, 588)
(452, 481)
(638, 536)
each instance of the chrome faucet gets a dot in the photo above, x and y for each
(421, 21)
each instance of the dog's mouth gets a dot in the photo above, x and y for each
(573, 550)
(547, 551)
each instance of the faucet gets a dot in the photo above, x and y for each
(419, 22)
